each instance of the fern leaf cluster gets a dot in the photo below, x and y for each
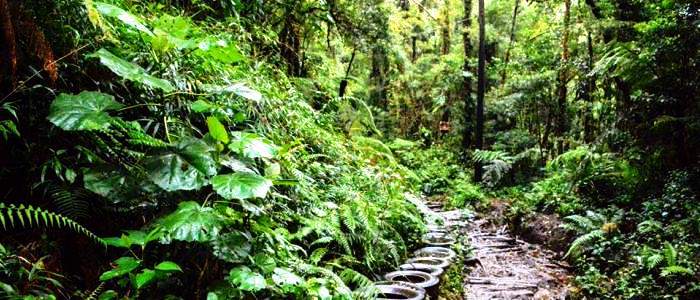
(27, 216)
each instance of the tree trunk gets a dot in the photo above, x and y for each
(563, 78)
(414, 52)
(588, 91)
(445, 28)
(378, 77)
(344, 82)
(467, 87)
(481, 89)
(8, 49)
(290, 47)
(510, 43)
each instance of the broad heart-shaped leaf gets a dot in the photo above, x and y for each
(265, 262)
(217, 130)
(192, 223)
(182, 167)
(131, 71)
(247, 280)
(241, 185)
(124, 266)
(251, 145)
(84, 111)
(123, 15)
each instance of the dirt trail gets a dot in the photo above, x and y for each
(505, 267)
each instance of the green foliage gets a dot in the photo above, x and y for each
(27, 216)
(183, 166)
(23, 278)
(241, 186)
(84, 111)
(192, 222)
(465, 194)
(495, 164)
(591, 228)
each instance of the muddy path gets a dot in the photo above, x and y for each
(503, 266)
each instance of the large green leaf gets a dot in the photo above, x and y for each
(168, 266)
(192, 222)
(217, 130)
(251, 145)
(123, 15)
(84, 111)
(103, 182)
(131, 71)
(124, 265)
(247, 280)
(265, 262)
(185, 166)
(239, 89)
(219, 49)
(241, 185)
(144, 278)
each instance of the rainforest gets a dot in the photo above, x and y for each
(349, 149)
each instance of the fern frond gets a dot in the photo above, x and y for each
(71, 203)
(676, 270)
(578, 223)
(654, 260)
(317, 255)
(582, 242)
(649, 226)
(38, 217)
(96, 292)
(347, 215)
(670, 254)
(351, 276)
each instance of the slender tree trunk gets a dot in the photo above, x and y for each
(344, 82)
(481, 89)
(563, 78)
(467, 88)
(445, 28)
(510, 43)
(414, 52)
(588, 94)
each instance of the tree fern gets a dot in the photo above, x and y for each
(27, 216)
(496, 164)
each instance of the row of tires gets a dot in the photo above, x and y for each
(420, 276)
